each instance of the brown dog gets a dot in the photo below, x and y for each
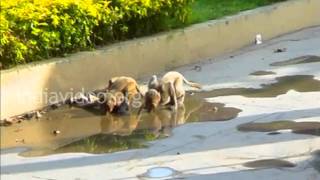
(120, 92)
(169, 90)
(152, 99)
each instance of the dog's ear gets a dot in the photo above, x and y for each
(125, 94)
(110, 82)
(153, 82)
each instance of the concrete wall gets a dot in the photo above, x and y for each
(91, 70)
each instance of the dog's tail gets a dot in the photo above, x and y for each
(192, 84)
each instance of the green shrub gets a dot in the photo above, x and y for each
(32, 30)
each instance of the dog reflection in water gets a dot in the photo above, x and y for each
(159, 122)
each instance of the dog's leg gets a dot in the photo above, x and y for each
(173, 96)
(181, 100)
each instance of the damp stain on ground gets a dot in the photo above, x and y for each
(298, 60)
(86, 130)
(269, 163)
(300, 83)
(262, 73)
(309, 128)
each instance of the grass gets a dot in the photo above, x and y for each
(204, 10)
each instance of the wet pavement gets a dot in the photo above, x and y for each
(258, 116)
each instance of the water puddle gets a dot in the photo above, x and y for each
(298, 60)
(309, 128)
(269, 163)
(99, 143)
(316, 160)
(159, 172)
(74, 129)
(300, 83)
(215, 112)
(262, 73)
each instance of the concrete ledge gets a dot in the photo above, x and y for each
(91, 70)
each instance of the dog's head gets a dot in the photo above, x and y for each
(152, 99)
(113, 99)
